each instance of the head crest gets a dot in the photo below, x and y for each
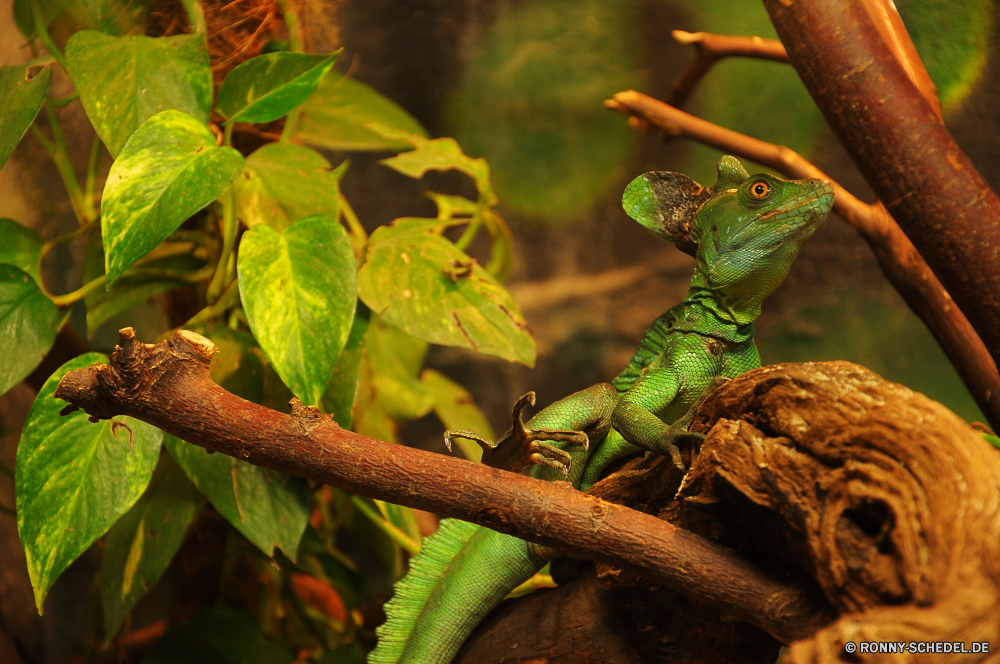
(667, 203)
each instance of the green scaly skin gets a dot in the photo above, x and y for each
(744, 245)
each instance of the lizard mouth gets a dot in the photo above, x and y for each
(815, 203)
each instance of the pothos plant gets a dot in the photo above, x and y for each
(299, 299)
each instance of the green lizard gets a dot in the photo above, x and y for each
(744, 234)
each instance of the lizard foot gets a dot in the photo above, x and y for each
(521, 447)
(678, 431)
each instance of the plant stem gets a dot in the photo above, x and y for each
(357, 230)
(296, 41)
(43, 34)
(97, 282)
(230, 226)
(195, 16)
(394, 533)
(60, 156)
(229, 296)
(88, 186)
(63, 101)
(469, 234)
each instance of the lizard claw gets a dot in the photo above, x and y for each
(521, 447)
(678, 431)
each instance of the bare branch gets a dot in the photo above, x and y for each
(709, 49)
(168, 385)
(899, 259)
(898, 141)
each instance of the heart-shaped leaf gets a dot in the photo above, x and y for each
(139, 547)
(334, 117)
(271, 509)
(20, 99)
(283, 182)
(299, 292)
(28, 325)
(269, 86)
(124, 81)
(420, 282)
(20, 248)
(75, 478)
(168, 170)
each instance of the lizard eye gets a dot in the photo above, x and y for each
(759, 189)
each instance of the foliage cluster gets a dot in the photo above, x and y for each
(299, 299)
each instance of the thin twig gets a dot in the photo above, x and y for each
(899, 259)
(709, 49)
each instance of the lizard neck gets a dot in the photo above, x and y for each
(700, 313)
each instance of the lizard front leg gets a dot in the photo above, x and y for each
(579, 417)
(634, 416)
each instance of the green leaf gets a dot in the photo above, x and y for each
(217, 636)
(271, 509)
(283, 182)
(269, 86)
(455, 408)
(992, 440)
(435, 154)
(21, 247)
(124, 81)
(20, 99)
(334, 118)
(451, 206)
(168, 170)
(342, 388)
(139, 547)
(74, 478)
(28, 325)
(298, 290)
(423, 284)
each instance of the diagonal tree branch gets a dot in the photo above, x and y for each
(846, 54)
(899, 259)
(168, 385)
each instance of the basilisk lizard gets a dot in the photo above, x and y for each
(744, 233)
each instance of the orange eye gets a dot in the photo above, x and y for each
(759, 189)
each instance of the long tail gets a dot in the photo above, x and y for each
(462, 572)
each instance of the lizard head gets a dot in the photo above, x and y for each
(744, 232)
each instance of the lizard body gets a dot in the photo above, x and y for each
(744, 234)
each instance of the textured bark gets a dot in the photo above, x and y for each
(168, 385)
(901, 147)
(886, 498)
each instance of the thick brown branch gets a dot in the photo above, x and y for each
(168, 385)
(899, 259)
(709, 49)
(901, 146)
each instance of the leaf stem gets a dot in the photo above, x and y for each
(97, 282)
(296, 41)
(229, 296)
(195, 16)
(43, 34)
(357, 230)
(77, 232)
(394, 533)
(230, 227)
(469, 234)
(60, 156)
(60, 102)
(89, 208)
